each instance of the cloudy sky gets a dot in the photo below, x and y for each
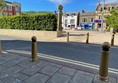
(69, 5)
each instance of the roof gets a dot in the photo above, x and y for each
(8, 2)
(70, 13)
(87, 13)
(112, 4)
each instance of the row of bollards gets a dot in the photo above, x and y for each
(87, 39)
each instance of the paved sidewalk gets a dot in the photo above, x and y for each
(18, 68)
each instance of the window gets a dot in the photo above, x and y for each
(84, 20)
(112, 7)
(5, 8)
(67, 14)
(0, 13)
(91, 19)
(10, 14)
(17, 13)
(10, 7)
(101, 9)
(5, 14)
(109, 9)
(100, 17)
(17, 9)
(72, 21)
(66, 21)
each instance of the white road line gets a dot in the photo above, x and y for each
(79, 63)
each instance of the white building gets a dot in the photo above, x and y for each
(70, 20)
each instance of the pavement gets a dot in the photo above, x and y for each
(18, 68)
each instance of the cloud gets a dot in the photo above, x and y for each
(110, 1)
(59, 1)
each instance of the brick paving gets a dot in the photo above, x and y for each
(15, 68)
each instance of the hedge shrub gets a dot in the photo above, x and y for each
(46, 22)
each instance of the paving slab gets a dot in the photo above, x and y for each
(56, 65)
(13, 62)
(59, 78)
(49, 70)
(11, 80)
(20, 76)
(67, 71)
(81, 78)
(2, 68)
(9, 57)
(10, 71)
(2, 61)
(37, 78)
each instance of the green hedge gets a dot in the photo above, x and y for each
(46, 22)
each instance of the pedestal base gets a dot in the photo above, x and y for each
(97, 80)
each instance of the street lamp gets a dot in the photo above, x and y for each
(103, 5)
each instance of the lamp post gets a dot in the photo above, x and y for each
(103, 5)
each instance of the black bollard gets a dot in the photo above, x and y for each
(112, 39)
(34, 49)
(87, 40)
(0, 47)
(68, 37)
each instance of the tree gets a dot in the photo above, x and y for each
(112, 20)
(2, 5)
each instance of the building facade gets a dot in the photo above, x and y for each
(70, 20)
(100, 12)
(87, 20)
(11, 8)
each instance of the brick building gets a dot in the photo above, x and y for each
(87, 20)
(11, 8)
(100, 12)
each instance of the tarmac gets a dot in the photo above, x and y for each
(17, 66)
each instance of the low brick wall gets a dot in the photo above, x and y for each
(27, 34)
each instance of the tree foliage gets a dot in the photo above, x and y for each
(112, 20)
(2, 5)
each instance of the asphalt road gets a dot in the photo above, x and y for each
(89, 53)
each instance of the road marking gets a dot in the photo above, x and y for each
(79, 63)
